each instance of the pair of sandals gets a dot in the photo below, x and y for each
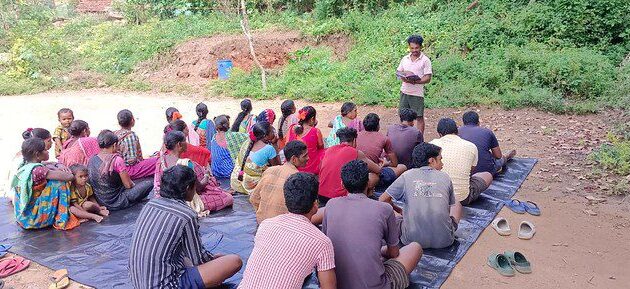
(13, 265)
(521, 207)
(10, 266)
(526, 229)
(509, 262)
(17, 264)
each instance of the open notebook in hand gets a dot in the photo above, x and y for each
(410, 76)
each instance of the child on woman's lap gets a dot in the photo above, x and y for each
(83, 204)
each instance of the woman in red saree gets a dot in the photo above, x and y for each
(197, 154)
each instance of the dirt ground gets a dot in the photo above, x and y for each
(577, 244)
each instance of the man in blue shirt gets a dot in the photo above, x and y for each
(490, 157)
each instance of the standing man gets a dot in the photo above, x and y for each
(414, 71)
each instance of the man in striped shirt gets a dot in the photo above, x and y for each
(166, 249)
(288, 247)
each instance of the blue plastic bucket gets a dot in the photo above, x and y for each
(224, 67)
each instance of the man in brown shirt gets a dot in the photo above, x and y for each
(375, 145)
(268, 196)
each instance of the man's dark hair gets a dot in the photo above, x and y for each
(125, 117)
(417, 39)
(172, 138)
(347, 134)
(294, 148)
(300, 192)
(471, 118)
(408, 114)
(422, 153)
(176, 181)
(447, 126)
(371, 122)
(106, 139)
(31, 147)
(354, 176)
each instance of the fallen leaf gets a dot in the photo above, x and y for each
(589, 212)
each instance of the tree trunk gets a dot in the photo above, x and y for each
(250, 40)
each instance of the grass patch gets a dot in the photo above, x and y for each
(507, 53)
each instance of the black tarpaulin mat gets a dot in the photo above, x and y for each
(97, 254)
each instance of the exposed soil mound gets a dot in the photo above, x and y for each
(195, 61)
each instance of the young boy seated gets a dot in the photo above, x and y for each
(61, 134)
(82, 199)
(166, 249)
(430, 213)
(405, 136)
(375, 144)
(129, 148)
(288, 247)
(357, 227)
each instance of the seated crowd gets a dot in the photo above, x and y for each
(380, 198)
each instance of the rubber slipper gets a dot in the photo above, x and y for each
(516, 206)
(532, 208)
(500, 263)
(526, 230)
(60, 284)
(60, 279)
(59, 274)
(11, 266)
(518, 261)
(5, 248)
(502, 227)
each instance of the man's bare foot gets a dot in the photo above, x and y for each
(511, 154)
(98, 218)
(104, 212)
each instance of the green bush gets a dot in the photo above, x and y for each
(614, 157)
(508, 53)
(139, 11)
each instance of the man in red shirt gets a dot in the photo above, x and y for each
(330, 185)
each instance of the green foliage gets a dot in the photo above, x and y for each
(496, 54)
(49, 54)
(618, 96)
(551, 55)
(139, 11)
(614, 156)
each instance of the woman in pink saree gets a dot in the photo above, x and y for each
(208, 188)
(80, 147)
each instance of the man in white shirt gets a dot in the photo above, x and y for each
(460, 158)
(414, 71)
